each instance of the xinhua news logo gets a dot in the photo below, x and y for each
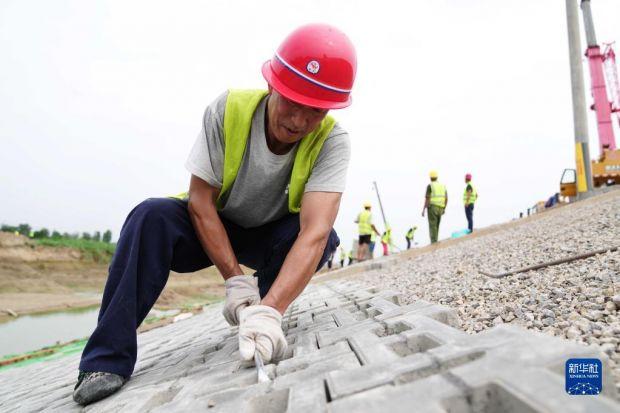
(584, 377)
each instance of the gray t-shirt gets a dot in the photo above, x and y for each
(259, 194)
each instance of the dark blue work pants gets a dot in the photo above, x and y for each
(157, 237)
(469, 213)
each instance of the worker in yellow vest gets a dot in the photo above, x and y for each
(435, 202)
(373, 242)
(268, 169)
(409, 235)
(386, 240)
(470, 195)
(365, 228)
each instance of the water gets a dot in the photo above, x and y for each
(28, 333)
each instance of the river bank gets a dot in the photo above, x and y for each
(37, 279)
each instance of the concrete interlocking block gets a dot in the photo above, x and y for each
(350, 349)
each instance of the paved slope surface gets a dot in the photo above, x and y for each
(351, 349)
(579, 300)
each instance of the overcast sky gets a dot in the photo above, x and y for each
(100, 102)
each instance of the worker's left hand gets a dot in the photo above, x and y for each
(260, 329)
(241, 291)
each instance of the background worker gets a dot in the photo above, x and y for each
(268, 169)
(470, 195)
(343, 256)
(409, 235)
(350, 255)
(365, 228)
(386, 240)
(371, 246)
(435, 202)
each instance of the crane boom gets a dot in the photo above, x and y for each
(602, 106)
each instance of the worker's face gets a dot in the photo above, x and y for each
(288, 121)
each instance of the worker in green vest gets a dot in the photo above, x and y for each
(268, 169)
(435, 203)
(365, 229)
(373, 242)
(409, 235)
(386, 240)
(470, 195)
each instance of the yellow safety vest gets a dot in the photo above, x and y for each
(438, 194)
(386, 238)
(240, 108)
(364, 222)
(410, 233)
(472, 197)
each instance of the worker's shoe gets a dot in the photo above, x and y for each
(93, 386)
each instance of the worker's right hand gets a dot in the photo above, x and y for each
(241, 292)
(260, 330)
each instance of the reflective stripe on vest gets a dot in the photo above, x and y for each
(438, 194)
(240, 108)
(364, 220)
(472, 197)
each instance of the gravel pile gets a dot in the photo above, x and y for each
(579, 300)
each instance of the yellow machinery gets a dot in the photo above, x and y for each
(605, 171)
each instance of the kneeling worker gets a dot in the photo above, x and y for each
(267, 173)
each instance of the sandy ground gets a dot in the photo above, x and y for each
(34, 280)
(182, 290)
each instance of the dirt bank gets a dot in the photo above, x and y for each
(35, 279)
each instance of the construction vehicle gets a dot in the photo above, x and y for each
(606, 94)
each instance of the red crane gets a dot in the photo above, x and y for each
(606, 96)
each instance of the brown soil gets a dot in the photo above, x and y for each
(36, 279)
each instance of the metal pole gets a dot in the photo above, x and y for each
(580, 121)
(380, 204)
(588, 23)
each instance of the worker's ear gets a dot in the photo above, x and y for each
(269, 88)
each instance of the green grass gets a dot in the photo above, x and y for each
(92, 250)
(46, 353)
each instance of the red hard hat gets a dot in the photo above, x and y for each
(314, 66)
(468, 177)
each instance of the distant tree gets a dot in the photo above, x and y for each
(8, 228)
(97, 236)
(66, 235)
(74, 235)
(42, 233)
(24, 229)
(107, 236)
(56, 235)
(86, 236)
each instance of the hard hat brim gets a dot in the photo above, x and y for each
(290, 94)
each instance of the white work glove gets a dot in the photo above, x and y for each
(241, 292)
(260, 330)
